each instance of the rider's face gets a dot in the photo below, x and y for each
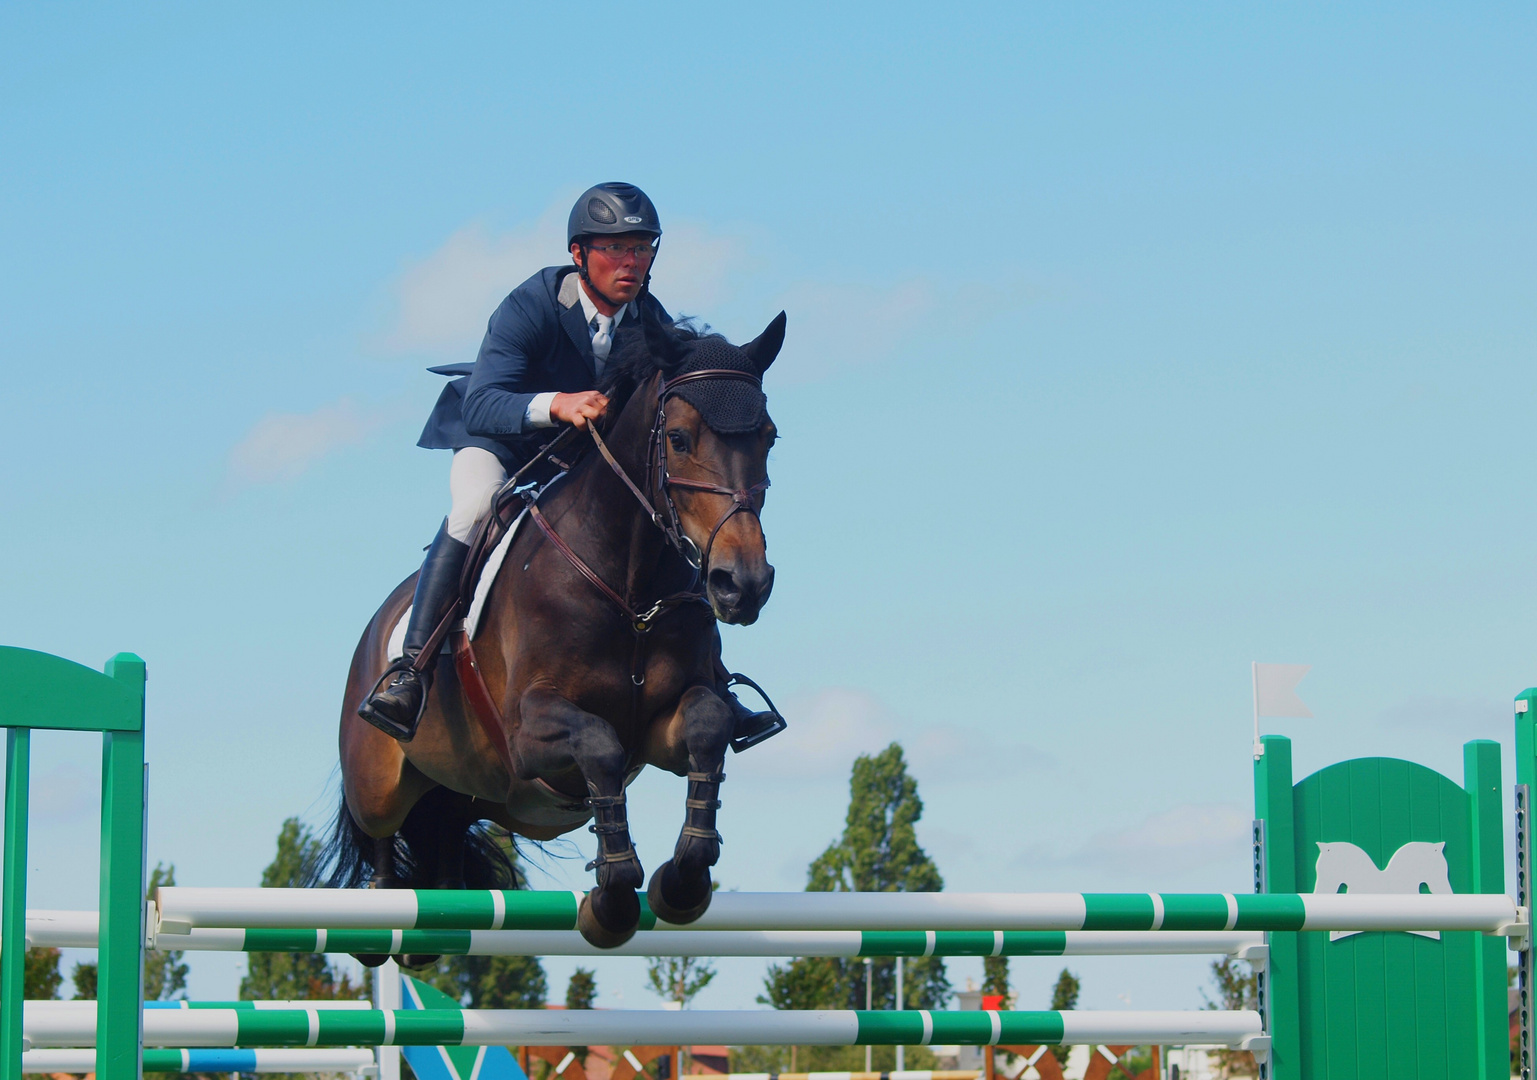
(617, 276)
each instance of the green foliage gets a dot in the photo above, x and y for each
(165, 976)
(878, 852)
(582, 990)
(40, 975)
(295, 975)
(581, 993)
(1237, 988)
(813, 982)
(995, 976)
(879, 849)
(84, 978)
(678, 978)
(1064, 996)
(490, 982)
(1136, 1060)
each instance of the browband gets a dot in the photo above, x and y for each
(671, 385)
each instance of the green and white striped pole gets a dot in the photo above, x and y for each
(77, 929)
(75, 1027)
(182, 909)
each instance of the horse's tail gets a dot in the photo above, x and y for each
(345, 859)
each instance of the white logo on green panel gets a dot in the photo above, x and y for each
(1418, 866)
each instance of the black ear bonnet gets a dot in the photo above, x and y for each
(729, 406)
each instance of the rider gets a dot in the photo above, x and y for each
(544, 351)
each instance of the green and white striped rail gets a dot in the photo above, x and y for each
(184, 1028)
(77, 929)
(303, 1060)
(182, 909)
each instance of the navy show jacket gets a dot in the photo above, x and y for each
(536, 341)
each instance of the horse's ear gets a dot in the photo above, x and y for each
(763, 348)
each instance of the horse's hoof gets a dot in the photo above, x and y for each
(621, 906)
(371, 959)
(417, 960)
(671, 901)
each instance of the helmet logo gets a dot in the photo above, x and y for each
(631, 219)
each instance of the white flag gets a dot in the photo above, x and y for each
(1275, 690)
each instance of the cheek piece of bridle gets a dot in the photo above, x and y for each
(660, 481)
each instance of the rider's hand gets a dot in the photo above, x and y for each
(578, 408)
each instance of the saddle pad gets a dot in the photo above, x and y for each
(488, 574)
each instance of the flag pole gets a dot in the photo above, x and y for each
(1259, 747)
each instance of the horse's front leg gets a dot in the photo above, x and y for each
(680, 888)
(555, 737)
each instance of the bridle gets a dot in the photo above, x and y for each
(660, 481)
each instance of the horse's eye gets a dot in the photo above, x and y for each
(679, 441)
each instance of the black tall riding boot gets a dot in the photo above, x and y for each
(396, 709)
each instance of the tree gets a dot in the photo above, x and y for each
(1236, 989)
(295, 976)
(582, 990)
(165, 976)
(878, 852)
(678, 978)
(995, 977)
(1064, 996)
(41, 977)
(581, 993)
(84, 978)
(490, 982)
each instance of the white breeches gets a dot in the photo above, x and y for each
(473, 480)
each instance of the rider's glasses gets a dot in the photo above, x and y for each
(642, 252)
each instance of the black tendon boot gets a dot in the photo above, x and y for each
(396, 709)
(750, 728)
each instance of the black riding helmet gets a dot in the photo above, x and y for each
(611, 209)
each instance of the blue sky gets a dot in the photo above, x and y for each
(1126, 347)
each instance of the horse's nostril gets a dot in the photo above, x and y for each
(724, 585)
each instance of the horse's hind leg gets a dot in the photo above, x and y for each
(556, 737)
(680, 887)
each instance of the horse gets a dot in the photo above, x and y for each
(597, 650)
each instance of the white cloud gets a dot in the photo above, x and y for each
(945, 753)
(827, 731)
(281, 446)
(834, 326)
(443, 300)
(1470, 717)
(1184, 837)
(63, 794)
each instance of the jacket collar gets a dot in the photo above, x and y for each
(574, 319)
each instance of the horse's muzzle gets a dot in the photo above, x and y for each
(737, 595)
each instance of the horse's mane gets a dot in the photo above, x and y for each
(659, 348)
(671, 349)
